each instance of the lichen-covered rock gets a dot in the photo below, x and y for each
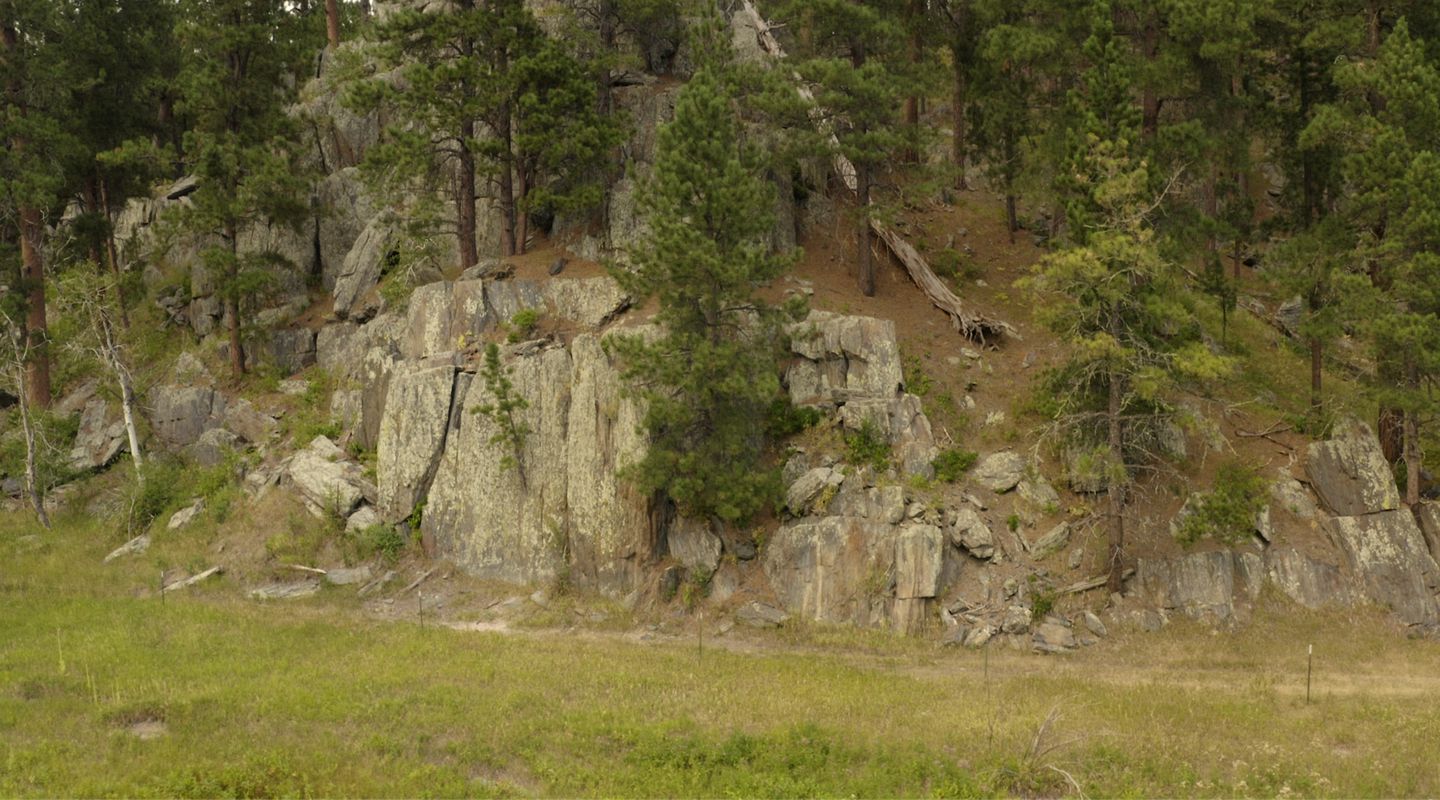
(1310, 583)
(999, 472)
(919, 558)
(876, 503)
(326, 481)
(834, 569)
(1350, 473)
(808, 488)
(288, 349)
(1428, 515)
(1038, 492)
(969, 531)
(1052, 542)
(1201, 585)
(842, 358)
(1294, 497)
(99, 439)
(589, 302)
(345, 210)
(420, 410)
(694, 544)
(570, 501)
(362, 268)
(446, 316)
(1387, 552)
(179, 414)
(212, 448)
(498, 522)
(242, 418)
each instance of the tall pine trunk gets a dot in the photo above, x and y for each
(37, 366)
(1115, 488)
(332, 23)
(957, 122)
(508, 245)
(465, 215)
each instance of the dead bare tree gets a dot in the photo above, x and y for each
(93, 298)
(15, 346)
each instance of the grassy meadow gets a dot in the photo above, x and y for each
(105, 691)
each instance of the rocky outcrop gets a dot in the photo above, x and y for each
(1350, 473)
(99, 439)
(843, 569)
(180, 414)
(852, 365)
(1205, 586)
(842, 359)
(1387, 552)
(361, 270)
(422, 399)
(562, 504)
(1000, 472)
(1312, 584)
(328, 482)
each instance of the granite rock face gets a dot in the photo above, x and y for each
(1350, 473)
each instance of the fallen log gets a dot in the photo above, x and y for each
(971, 325)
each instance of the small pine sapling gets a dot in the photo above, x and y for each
(511, 431)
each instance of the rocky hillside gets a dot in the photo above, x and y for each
(869, 534)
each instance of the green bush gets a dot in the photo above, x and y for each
(160, 490)
(952, 463)
(868, 446)
(1227, 512)
(385, 541)
(522, 325)
(783, 418)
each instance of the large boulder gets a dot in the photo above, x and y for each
(1000, 472)
(1350, 473)
(446, 316)
(179, 414)
(695, 544)
(421, 408)
(843, 358)
(968, 531)
(1311, 583)
(564, 497)
(345, 210)
(1204, 586)
(919, 558)
(1387, 553)
(362, 268)
(327, 481)
(834, 569)
(99, 439)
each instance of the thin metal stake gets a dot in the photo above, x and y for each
(162, 587)
(1309, 666)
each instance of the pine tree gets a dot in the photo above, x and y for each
(1388, 123)
(854, 54)
(478, 91)
(239, 146)
(713, 369)
(1114, 300)
(34, 130)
